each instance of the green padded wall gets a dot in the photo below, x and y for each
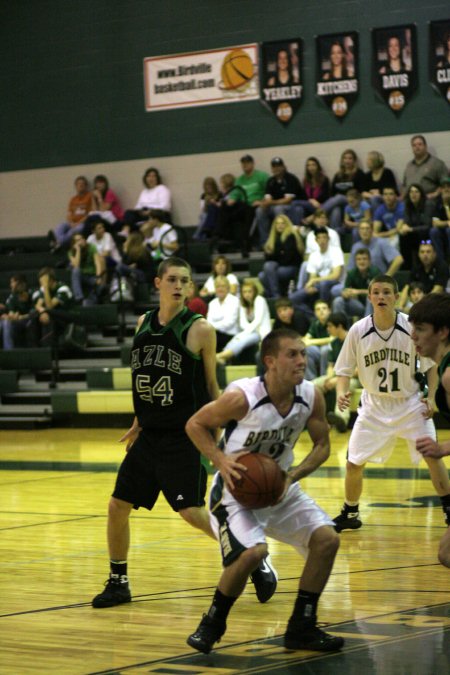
(72, 77)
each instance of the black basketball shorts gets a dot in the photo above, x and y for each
(162, 461)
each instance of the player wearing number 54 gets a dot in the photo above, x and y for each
(392, 406)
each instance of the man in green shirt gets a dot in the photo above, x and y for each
(88, 271)
(252, 181)
(353, 299)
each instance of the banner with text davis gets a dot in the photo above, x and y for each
(201, 78)
(337, 83)
(394, 64)
(280, 77)
(439, 59)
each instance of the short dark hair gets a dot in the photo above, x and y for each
(434, 309)
(283, 302)
(422, 138)
(20, 278)
(338, 319)
(270, 346)
(384, 279)
(157, 214)
(363, 251)
(322, 230)
(49, 271)
(173, 261)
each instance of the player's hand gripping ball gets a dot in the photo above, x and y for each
(261, 485)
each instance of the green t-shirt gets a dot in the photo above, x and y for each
(87, 263)
(61, 292)
(318, 330)
(354, 279)
(335, 348)
(16, 303)
(254, 185)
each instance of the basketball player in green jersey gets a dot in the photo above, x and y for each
(173, 374)
(430, 318)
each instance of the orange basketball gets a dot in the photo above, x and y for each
(261, 485)
(237, 69)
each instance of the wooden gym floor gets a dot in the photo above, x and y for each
(387, 595)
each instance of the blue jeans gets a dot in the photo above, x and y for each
(334, 207)
(64, 233)
(275, 278)
(440, 236)
(86, 282)
(13, 331)
(241, 341)
(316, 361)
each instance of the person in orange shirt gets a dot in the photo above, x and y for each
(79, 207)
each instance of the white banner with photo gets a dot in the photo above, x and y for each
(201, 78)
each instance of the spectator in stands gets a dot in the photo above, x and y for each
(349, 176)
(254, 323)
(223, 312)
(210, 200)
(234, 218)
(320, 219)
(388, 217)
(357, 209)
(88, 271)
(382, 254)
(288, 317)
(281, 190)
(416, 223)
(416, 292)
(160, 237)
(317, 341)
(430, 271)
(440, 231)
(79, 207)
(105, 244)
(323, 269)
(137, 262)
(424, 169)
(376, 179)
(15, 317)
(284, 250)
(316, 185)
(221, 266)
(155, 195)
(252, 181)
(194, 302)
(105, 206)
(337, 327)
(51, 303)
(352, 299)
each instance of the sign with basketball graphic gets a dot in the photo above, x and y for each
(337, 83)
(280, 78)
(201, 78)
(394, 65)
(439, 57)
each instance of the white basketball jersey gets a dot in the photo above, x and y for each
(386, 360)
(263, 429)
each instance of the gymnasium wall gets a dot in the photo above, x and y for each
(74, 104)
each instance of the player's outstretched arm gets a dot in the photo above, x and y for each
(231, 405)
(318, 430)
(206, 339)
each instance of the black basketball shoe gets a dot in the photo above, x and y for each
(115, 593)
(313, 638)
(347, 520)
(265, 579)
(209, 631)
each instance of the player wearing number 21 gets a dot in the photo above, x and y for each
(381, 348)
(266, 415)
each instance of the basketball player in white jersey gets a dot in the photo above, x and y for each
(381, 348)
(266, 415)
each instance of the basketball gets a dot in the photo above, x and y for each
(237, 69)
(261, 485)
